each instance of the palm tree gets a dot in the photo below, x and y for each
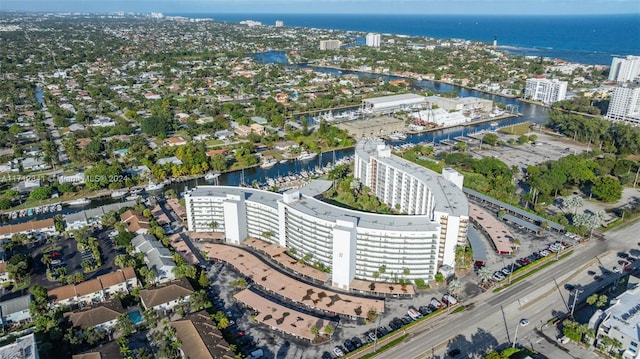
(485, 274)
(455, 287)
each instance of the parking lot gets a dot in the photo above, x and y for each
(68, 256)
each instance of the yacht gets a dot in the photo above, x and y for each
(133, 197)
(79, 202)
(154, 186)
(397, 136)
(306, 156)
(119, 194)
(211, 176)
(284, 160)
(494, 124)
(269, 162)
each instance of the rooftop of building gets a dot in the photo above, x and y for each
(624, 314)
(394, 98)
(24, 347)
(448, 198)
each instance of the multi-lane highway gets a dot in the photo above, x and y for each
(494, 318)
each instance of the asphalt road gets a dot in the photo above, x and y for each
(494, 318)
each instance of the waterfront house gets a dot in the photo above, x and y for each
(15, 311)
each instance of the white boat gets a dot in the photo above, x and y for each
(211, 176)
(306, 156)
(397, 136)
(284, 160)
(269, 163)
(133, 197)
(154, 186)
(494, 124)
(119, 194)
(79, 202)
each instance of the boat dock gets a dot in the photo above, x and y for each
(447, 142)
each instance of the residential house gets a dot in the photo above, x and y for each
(42, 227)
(285, 146)
(103, 316)
(23, 347)
(172, 160)
(82, 143)
(201, 137)
(223, 134)
(76, 220)
(96, 290)
(167, 297)
(110, 350)
(212, 153)
(200, 338)
(175, 141)
(259, 120)
(28, 185)
(77, 178)
(4, 275)
(15, 311)
(156, 256)
(136, 222)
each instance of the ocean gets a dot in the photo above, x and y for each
(581, 39)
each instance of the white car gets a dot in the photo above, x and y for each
(544, 253)
(338, 352)
(524, 322)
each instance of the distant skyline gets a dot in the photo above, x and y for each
(450, 7)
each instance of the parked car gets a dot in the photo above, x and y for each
(327, 355)
(395, 325)
(356, 341)
(338, 351)
(349, 346)
(436, 303)
(406, 319)
(424, 310)
(372, 335)
(450, 299)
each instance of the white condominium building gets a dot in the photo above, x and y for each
(279, 23)
(354, 244)
(625, 69)
(545, 90)
(622, 322)
(373, 39)
(625, 104)
(330, 44)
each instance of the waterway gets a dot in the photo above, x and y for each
(530, 113)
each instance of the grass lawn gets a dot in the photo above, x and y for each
(518, 130)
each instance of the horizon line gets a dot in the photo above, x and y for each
(315, 13)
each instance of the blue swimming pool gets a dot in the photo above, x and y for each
(136, 317)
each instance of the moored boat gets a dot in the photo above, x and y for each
(79, 202)
(306, 156)
(119, 194)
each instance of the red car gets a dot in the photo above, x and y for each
(56, 255)
(239, 334)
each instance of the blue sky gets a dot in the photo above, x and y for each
(489, 7)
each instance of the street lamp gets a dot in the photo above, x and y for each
(515, 337)
(375, 342)
(576, 293)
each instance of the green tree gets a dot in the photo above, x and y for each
(203, 280)
(607, 188)
(125, 325)
(490, 139)
(40, 193)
